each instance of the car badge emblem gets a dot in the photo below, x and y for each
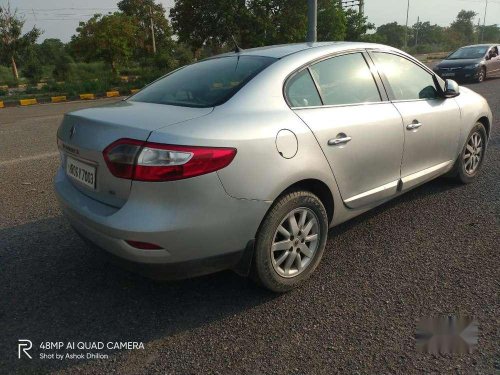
(72, 132)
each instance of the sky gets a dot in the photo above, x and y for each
(59, 18)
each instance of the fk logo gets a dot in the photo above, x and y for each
(24, 346)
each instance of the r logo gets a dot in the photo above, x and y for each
(24, 346)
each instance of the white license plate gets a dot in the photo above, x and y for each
(81, 172)
(448, 74)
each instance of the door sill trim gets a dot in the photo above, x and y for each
(425, 175)
(372, 196)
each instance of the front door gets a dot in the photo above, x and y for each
(431, 123)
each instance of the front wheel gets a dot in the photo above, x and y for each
(471, 158)
(481, 75)
(290, 241)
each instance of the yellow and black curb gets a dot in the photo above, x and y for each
(25, 102)
(64, 98)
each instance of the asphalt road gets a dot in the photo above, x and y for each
(433, 251)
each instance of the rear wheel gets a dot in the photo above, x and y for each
(290, 242)
(471, 158)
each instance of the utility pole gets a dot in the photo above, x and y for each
(152, 30)
(362, 7)
(418, 29)
(312, 21)
(484, 21)
(478, 30)
(406, 28)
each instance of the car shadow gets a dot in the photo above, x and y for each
(436, 186)
(53, 287)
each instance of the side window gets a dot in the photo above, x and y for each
(345, 79)
(408, 81)
(301, 91)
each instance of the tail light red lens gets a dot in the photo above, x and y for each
(147, 161)
(143, 245)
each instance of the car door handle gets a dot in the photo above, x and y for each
(414, 126)
(339, 141)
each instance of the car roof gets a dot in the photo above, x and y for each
(283, 50)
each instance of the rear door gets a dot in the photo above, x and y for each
(431, 122)
(358, 129)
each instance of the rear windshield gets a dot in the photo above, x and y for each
(468, 53)
(204, 84)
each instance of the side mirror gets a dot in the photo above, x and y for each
(451, 89)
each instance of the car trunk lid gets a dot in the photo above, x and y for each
(84, 134)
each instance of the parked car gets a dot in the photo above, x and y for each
(245, 160)
(471, 63)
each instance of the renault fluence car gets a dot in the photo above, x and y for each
(471, 63)
(244, 161)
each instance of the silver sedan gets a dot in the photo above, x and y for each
(244, 161)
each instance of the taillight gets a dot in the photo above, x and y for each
(147, 161)
(143, 245)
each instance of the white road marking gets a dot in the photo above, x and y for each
(45, 155)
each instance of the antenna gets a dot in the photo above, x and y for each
(237, 48)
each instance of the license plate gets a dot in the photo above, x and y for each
(448, 74)
(81, 172)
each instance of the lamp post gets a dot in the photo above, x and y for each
(484, 21)
(312, 20)
(406, 27)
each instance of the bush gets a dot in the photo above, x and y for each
(33, 70)
(6, 77)
(63, 68)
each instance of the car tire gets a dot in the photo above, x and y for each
(481, 75)
(462, 170)
(275, 266)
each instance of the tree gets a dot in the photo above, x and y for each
(13, 43)
(253, 23)
(143, 12)
(489, 34)
(392, 34)
(50, 50)
(357, 25)
(427, 33)
(110, 38)
(332, 22)
(463, 26)
(198, 24)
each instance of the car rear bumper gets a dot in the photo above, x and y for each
(200, 228)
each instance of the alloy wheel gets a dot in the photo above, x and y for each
(473, 153)
(481, 75)
(295, 242)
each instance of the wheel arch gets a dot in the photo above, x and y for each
(486, 122)
(315, 186)
(318, 188)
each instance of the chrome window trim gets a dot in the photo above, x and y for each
(416, 100)
(342, 105)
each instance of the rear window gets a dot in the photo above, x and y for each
(204, 84)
